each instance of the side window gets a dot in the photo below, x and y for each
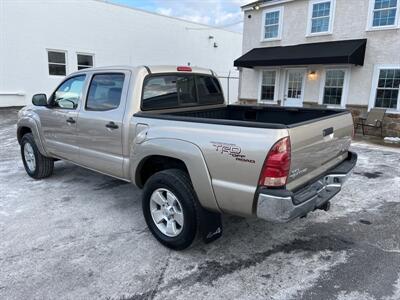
(209, 90)
(68, 94)
(105, 92)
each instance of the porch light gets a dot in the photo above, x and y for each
(256, 7)
(312, 75)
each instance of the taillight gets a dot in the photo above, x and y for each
(276, 166)
(184, 69)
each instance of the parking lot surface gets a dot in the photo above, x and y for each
(81, 235)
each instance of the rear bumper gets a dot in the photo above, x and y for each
(280, 206)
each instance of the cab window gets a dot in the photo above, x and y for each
(209, 90)
(183, 90)
(105, 92)
(69, 93)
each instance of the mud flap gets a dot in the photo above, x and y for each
(211, 225)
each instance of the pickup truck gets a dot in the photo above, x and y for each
(168, 130)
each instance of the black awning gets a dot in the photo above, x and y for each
(338, 52)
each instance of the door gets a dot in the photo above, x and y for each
(101, 123)
(294, 89)
(59, 119)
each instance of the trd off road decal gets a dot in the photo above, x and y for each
(232, 150)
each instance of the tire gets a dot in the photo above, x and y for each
(177, 183)
(42, 166)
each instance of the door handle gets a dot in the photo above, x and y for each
(71, 120)
(112, 125)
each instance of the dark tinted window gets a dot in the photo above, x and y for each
(56, 57)
(105, 92)
(68, 93)
(209, 90)
(57, 63)
(84, 61)
(186, 90)
(169, 91)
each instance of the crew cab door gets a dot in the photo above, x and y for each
(59, 119)
(100, 122)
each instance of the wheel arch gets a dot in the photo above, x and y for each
(174, 153)
(21, 131)
(156, 163)
(28, 125)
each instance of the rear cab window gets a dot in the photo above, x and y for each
(161, 91)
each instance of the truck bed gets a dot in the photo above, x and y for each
(320, 138)
(252, 116)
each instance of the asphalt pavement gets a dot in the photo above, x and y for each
(81, 235)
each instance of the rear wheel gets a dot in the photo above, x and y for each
(170, 208)
(36, 165)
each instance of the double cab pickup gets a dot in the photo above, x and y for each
(169, 131)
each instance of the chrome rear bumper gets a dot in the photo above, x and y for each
(280, 206)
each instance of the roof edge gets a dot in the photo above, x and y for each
(263, 3)
(165, 16)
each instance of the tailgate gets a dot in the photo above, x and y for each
(318, 146)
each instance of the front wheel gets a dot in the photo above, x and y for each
(170, 208)
(36, 165)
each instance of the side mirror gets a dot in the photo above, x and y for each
(39, 100)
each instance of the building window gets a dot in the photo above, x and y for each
(57, 63)
(268, 84)
(384, 13)
(84, 61)
(387, 90)
(334, 85)
(321, 14)
(272, 24)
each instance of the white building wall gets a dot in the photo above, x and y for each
(350, 22)
(114, 34)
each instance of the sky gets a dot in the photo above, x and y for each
(221, 13)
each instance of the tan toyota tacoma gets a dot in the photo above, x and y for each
(168, 130)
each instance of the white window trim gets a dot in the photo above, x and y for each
(66, 61)
(331, 17)
(374, 87)
(370, 21)
(276, 92)
(346, 84)
(85, 53)
(280, 24)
